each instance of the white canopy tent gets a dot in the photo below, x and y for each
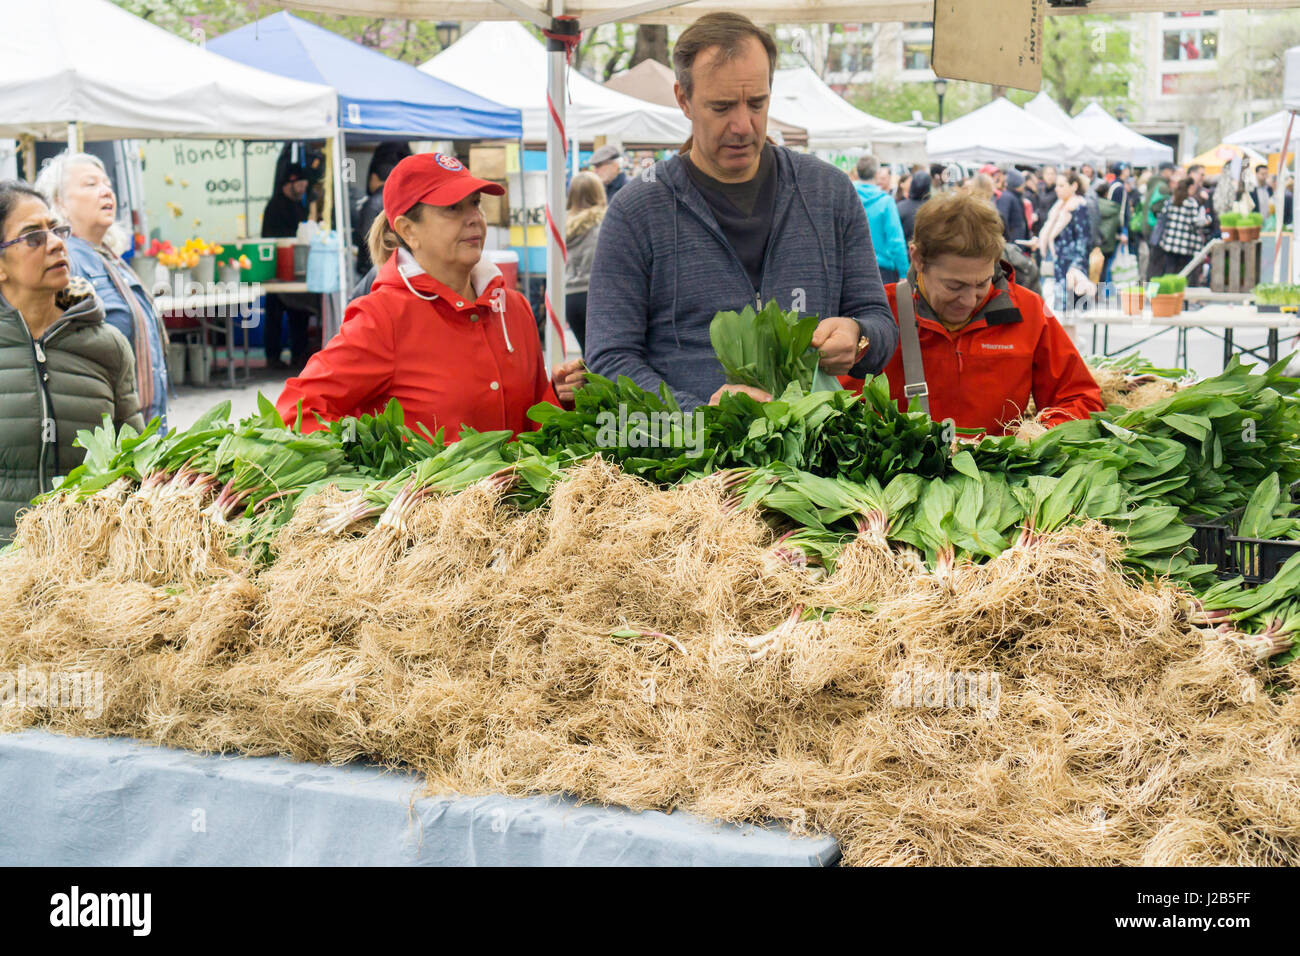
(93, 63)
(1112, 141)
(594, 12)
(1263, 136)
(89, 70)
(1002, 132)
(1045, 108)
(518, 78)
(565, 20)
(801, 98)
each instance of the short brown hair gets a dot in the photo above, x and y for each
(957, 224)
(728, 32)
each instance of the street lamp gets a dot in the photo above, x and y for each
(940, 88)
(448, 33)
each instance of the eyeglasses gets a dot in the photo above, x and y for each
(37, 238)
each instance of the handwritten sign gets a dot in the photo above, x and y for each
(990, 41)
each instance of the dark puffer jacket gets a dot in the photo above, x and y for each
(78, 371)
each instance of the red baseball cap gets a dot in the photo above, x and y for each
(433, 178)
(988, 169)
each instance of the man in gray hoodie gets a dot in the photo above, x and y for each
(730, 221)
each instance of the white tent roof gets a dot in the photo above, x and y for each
(1002, 132)
(1291, 79)
(505, 63)
(1265, 135)
(92, 62)
(591, 12)
(1049, 111)
(1113, 141)
(801, 98)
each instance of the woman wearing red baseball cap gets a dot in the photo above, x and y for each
(439, 331)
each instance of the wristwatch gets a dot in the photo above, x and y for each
(863, 345)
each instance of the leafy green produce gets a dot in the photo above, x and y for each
(769, 349)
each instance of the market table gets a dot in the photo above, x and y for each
(1226, 318)
(217, 309)
(74, 801)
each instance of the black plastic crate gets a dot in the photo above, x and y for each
(1256, 559)
(1210, 539)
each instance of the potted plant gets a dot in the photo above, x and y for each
(1229, 222)
(1290, 300)
(1132, 298)
(1168, 300)
(179, 263)
(1248, 226)
(205, 255)
(1268, 297)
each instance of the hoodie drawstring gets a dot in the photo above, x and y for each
(504, 331)
(501, 311)
(826, 265)
(676, 271)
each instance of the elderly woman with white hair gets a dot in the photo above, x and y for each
(79, 189)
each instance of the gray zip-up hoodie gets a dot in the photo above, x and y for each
(663, 269)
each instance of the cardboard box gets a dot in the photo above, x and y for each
(496, 209)
(488, 162)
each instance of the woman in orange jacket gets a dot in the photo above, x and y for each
(987, 344)
(439, 331)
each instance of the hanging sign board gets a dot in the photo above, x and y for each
(999, 42)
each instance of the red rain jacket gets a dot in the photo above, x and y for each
(450, 362)
(983, 375)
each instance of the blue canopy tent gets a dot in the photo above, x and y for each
(379, 97)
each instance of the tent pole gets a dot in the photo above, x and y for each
(1281, 207)
(523, 201)
(27, 146)
(556, 167)
(248, 226)
(328, 331)
(345, 214)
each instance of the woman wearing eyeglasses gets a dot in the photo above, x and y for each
(78, 187)
(62, 367)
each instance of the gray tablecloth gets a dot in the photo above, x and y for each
(90, 802)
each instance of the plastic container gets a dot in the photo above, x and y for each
(1210, 540)
(205, 273)
(1256, 559)
(284, 255)
(146, 267)
(323, 263)
(199, 363)
(300, 253)
(261, 255)
(176, 363)
(507, 260)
